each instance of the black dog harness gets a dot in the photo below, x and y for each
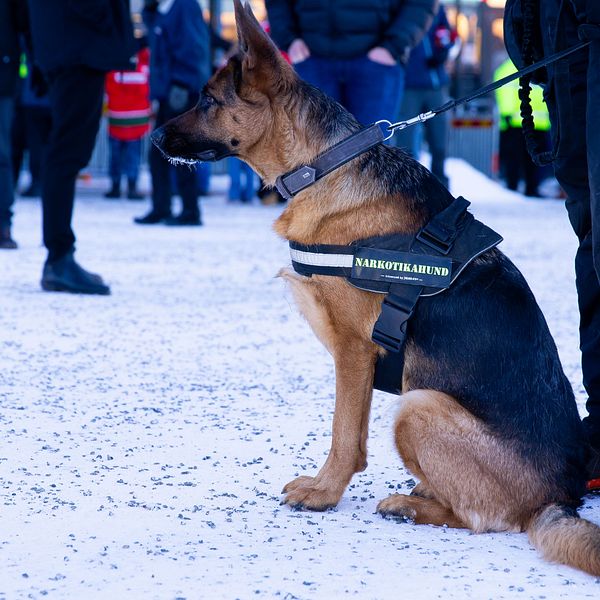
(404, 267)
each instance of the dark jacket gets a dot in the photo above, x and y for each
(350, 28)
(12, 22)
(93, 33)
(426, 66)
(179, 48)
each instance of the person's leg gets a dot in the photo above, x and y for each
(7, 191)
(322, 73)
(436, 133)
(514, 143)
(7, 194)
(234, 166)
(38, 126)
(18, 140)
(132, 150)
(115, 160)
(187, 184)
(248, 193)
(372, 91)
(203, 170)
(160, 175)
(409, 139)
(76, 98)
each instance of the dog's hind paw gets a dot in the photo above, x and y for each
(396, 506)
(304, 493)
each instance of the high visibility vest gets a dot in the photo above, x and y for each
(509, 105)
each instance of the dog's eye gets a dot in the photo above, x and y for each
(207, 101)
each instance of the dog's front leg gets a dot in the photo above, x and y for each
(354, 368)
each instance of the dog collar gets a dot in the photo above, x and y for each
(292, 182)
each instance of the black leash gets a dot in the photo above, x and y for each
(292, 182)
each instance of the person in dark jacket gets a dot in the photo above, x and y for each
(426, 88)
(75, 44)
(354, 51)
(12, 22)
(572, 92)
(179, 66)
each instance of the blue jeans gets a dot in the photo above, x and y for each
(124, 158)
(236, 168)
(369, 90)
(7, 192)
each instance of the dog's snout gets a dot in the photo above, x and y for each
(158, 137)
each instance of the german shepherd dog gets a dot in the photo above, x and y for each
(487, 421)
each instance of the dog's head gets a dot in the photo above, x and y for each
(238, 106)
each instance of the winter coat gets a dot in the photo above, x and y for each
(350, 28)
(128, 101)
(426, 68)
(12, 22)
(93, 33)
(179, 48)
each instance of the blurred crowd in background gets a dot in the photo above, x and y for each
(375, 58)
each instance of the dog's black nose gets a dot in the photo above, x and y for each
(158, 137)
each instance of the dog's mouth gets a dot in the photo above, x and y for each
(178, 150)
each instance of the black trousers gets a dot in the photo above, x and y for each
(573, 102)
(161, 172)
(76, 106)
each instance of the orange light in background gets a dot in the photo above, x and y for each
(495, 3)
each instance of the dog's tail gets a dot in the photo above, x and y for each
(563, 537)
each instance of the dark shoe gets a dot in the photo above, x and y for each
(6, 241)
(65, 275)
(33, 191)
(114, 192)
(132, 192)
(184, 219)
(134, 195)
(152, 218)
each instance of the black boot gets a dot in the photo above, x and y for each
(65, 275)
(185, 218)
(152, 218)
(132, 192)
(115, 191)
(6, 241)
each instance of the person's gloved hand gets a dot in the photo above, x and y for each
(151, 5)
(178, 98)
(39, 85)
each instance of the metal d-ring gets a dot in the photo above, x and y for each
(387, 129)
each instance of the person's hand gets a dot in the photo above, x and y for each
(298, 51)
(39, 84)
(382, 56)
(178, 98)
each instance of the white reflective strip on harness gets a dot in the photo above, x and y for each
(315, 259)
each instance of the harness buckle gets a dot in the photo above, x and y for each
(389, 331)
(440, 243)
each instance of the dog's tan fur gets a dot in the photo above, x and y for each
(469, 477)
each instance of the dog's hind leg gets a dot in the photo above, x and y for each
(419, 510)
(471, 477)
(354, 368)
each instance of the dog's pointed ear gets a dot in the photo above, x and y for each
(260, 57)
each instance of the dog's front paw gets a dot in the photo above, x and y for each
(305, 493)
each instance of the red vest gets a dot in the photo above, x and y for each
(128, 95)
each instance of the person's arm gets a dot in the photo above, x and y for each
(283, 22)
(188, 44)
(408, 28)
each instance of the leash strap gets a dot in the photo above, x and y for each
(292, 182)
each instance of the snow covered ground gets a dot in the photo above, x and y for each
(146, 435)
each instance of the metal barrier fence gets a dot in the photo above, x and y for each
(473, 135)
